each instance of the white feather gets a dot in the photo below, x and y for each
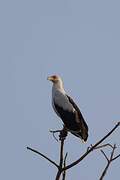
(60, 98)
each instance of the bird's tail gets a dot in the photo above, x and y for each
(82, 135)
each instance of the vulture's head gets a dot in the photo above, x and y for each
(56, 80)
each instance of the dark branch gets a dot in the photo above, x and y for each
(116, 157)
(54, 132)
(92, 148)
(105, 170)
(43, 156)
(64, 165)
(104, 155)
(100, 147)
(104, 145)
(61, 160)
(62, 138)
(61, 153)
(109, 161)
(63, 133)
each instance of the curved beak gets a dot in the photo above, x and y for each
(50, 78)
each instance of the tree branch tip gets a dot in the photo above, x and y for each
(65, 156)
(104, 155)
(116, 157)
(28, 148)
(51, 131)
(105, 145)
(54, 131)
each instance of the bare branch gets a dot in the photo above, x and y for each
(92, 148)
(64, 164)
(58, 175)
(61, 160)
(43, 156)
(65, 159)
(53, 132)
(62, 138)
(116, 157)
(61, 153)
(56, 131)
(109, 161)
(63, 133)
(104, 145)
(105, 171)
(104, 155)
(112, 153)
(101, 146)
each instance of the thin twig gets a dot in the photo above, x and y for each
(53, 132)
(109, 160)
(43, 156)
(104, 145)
(65, 158)
(116, 157)
(101, 146)
(104, 155)
(112, 153)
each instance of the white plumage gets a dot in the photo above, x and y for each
(67, 110)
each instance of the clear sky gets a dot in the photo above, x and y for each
(79, 40)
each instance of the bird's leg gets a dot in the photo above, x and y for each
(63, 134)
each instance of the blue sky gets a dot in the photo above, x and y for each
(79, 40)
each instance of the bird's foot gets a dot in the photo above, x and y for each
(63, 134)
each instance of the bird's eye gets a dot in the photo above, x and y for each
(55, 77)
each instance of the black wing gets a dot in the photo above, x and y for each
(78, 110)
(83, 126)
(68, 118)
(74, 121)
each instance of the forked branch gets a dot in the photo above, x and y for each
(109, 160)
(92, 148)
(62, 168)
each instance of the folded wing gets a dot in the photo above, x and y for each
(71, 116)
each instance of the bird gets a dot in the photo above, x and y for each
(67, 110)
